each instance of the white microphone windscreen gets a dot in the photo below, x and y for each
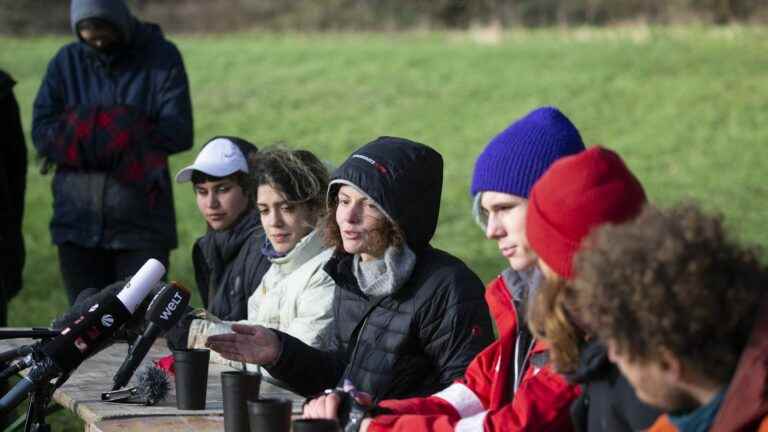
(138, 287)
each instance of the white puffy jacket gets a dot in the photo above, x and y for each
(295, 296)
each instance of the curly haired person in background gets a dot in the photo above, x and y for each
(576, 195)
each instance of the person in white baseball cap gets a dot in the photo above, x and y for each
(220, 157)
(221, 182)
(227, 260)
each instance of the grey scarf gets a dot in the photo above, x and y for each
(385, 275)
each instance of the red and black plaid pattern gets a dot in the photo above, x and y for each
(117, 139)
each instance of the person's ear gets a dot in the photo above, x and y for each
(671, 366)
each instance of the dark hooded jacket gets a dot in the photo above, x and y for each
(608, 402)
(13, 173)
(107, 121)
(229, 265)
(418, 339)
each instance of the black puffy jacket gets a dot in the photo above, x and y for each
(420, 338)
(229, 266)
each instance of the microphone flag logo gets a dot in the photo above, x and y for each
(107, 320)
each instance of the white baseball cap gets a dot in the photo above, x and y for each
(219, 158)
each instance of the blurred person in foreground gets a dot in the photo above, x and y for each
(295, 295)
(408, 318)
(13, 181)
(112, 107)
(508, 386)
(682, 308)
(575, 196)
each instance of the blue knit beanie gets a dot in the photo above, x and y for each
(513, 160)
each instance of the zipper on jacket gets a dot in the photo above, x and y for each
(520, 367)
(350, 367)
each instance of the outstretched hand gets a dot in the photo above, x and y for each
(247, 344)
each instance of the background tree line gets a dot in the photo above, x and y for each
(34, 17)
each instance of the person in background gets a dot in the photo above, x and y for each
(13, 181)
(295, 296)
(509, 386)
(408, 318)
(111, 108)
(682, 308)
(575, 196)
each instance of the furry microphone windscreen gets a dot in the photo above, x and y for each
(153, 385)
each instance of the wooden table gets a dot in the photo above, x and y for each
(81, 394)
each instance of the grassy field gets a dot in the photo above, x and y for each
(686, 107)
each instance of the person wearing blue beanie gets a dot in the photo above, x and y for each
(506, 170)
(519, 155)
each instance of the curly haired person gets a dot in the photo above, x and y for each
(681, 306)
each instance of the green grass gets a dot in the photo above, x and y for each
(686, 107)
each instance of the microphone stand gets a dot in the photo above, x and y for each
(39, 400)
(28, 333)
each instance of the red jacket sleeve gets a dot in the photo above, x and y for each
(541, 403)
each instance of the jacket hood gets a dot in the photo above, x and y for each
(746, 401)
(115, 12)
(593, 363)
(404, 178)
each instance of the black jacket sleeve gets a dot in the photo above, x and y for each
(458, 325)
(308, 371)
(173, 127)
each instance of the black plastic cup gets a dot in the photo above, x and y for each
(191, 366)
(238, 387)
(315, 425)
(270, 415)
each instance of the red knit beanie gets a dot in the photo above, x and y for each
(577, 194)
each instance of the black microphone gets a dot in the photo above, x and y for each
(165, 310)
(87, 298)
(86, 335)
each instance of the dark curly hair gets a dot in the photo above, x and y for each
(671, 280)
(299, 174)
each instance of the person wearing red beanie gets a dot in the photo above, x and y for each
(576, 195)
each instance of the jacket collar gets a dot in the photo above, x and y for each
(306, 249)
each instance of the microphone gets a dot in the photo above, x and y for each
(152, 387)
(87, 298)
(86, 335)
(165, 310)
